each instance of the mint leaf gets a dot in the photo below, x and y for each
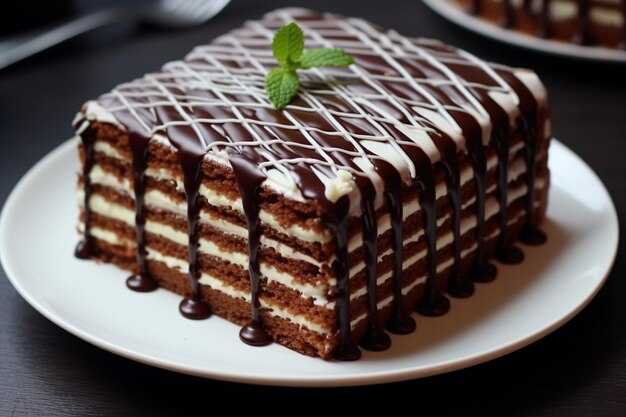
(325, 57)
(288, 44)
(281, 85)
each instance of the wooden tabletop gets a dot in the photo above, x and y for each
(579, 370)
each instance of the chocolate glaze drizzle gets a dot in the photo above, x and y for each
(375, 338)
(337, 223)
(249, 180)
(505, 253)
(528, 125)
(142, 281)
(433, 303)
(459, 285)
(190, 159)
(400, 322)
(481, 270)
(403, 113)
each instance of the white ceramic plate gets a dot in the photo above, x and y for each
(526, 302)
(453, 13)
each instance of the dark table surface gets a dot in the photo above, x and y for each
(579, 370)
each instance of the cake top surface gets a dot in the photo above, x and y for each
(349, 130)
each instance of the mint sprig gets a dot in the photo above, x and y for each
(282, 83)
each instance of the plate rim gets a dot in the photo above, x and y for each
(482, 27)
(324, 380)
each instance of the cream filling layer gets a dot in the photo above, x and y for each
(492, 208)
(276, 179)
(103, 207)
(219, 285)
(99, 176)
(160, 200)
(386, 301)
(317, 292)
(276, 310)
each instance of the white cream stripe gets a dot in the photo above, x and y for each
(383, 303)
(219, 285)
(160, 200)
(317, 292)
(157, 199)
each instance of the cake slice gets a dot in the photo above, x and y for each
(380, 188)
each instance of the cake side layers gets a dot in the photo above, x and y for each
(112, 199)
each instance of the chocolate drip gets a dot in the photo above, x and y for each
(527, 6)
(190, 160)
(190, 155)
(433, 303)
(531, 125)
(459, 285)
(249, 180)
(500, 139)
(505, 253)
(531, 234)
(400, 322)
(375, 338)
(581, 35)
(336, 221)
(338, 226)
(142, 281)
(84, 248)
(481, 270)
(138, 139)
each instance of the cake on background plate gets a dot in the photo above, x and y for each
(322, 226)
(584, 22)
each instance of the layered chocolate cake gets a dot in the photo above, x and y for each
(382, 187)
(585, 22)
